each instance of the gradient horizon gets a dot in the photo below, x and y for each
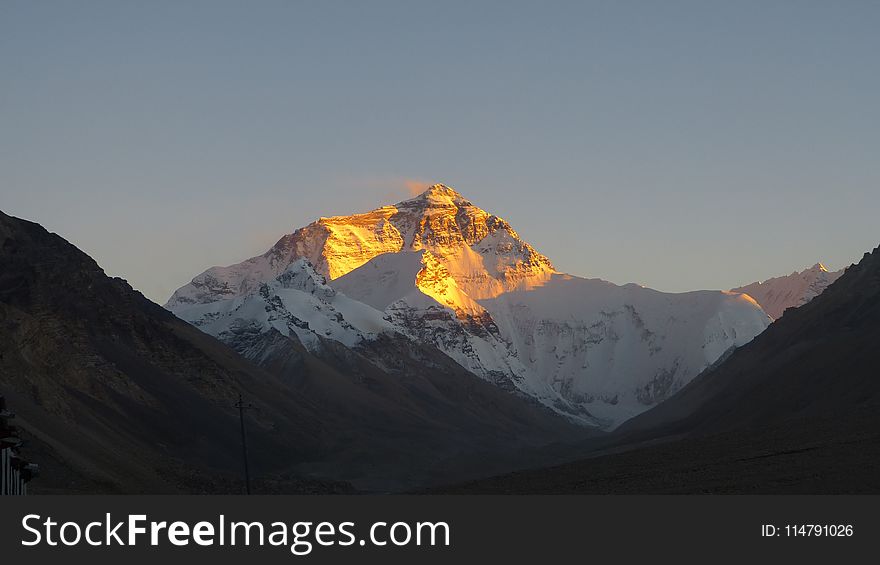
(679, 145)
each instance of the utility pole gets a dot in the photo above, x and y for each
(247, 472)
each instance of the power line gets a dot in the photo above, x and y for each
(244, 450)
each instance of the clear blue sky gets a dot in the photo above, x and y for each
(680, 145)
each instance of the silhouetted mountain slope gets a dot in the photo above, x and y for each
(117, 394)
(795, 410)
(118, 391)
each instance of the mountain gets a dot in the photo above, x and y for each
(797, 410)
(481, 252)
(778, 294)
(116, 394)
(440, 272)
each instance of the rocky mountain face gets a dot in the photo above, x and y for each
(778, 294)
(481, 252)
(115, 394)
(442, 273)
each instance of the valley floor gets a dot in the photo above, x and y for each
(834, 456)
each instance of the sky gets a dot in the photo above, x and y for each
(679, 145)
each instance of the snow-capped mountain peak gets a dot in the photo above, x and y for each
(777, 294)
(440, 194)
(440, 271)
(481, 251)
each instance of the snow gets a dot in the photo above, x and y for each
(616, 350)
(383, 280)
(297, 302)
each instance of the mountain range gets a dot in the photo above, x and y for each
(426, 343)
(438, 271)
